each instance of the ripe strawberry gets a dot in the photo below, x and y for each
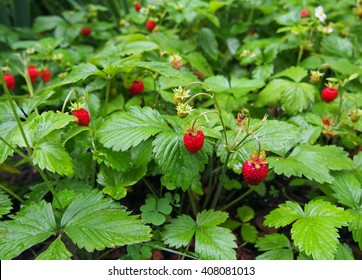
(45, 75)
(33, 73)
(329, 94)
(304, 13)
(83, 116)
(326, 122)
(150, 25)
(255, 170)
(86, 31)
(10, 81)
(194, 141)
(137, 6)
(136, 88)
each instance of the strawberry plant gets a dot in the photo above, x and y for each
(182, 130)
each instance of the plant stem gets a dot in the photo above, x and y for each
(221, 182)
(12, 104)
(12, 193)
(107, 97)
(49, 185)
(175, 252)
(221, 120)
(340, 106)
(237, 199)
(193, 202)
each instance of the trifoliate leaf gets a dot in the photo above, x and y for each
(127, 129)
(55, 251)
(52, 156)
(313, 162)
(5, 204)
(315, 229)
(180, 231)
(94, 223)
(294, 97)
(347, 189)
(177, 164)
(33, 224)
(294, 73)
(42, 125)
(154, 210)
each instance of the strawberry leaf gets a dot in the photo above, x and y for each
(313, 162)
(277, 247)
(138, 124)
(294, 73)
(162, 68)
(249, 233)
(55, 251)
(33, 224)
(52, 156)
(81, 72)
(177, 164)
(5, 204)
(179, 232)
(94, 223)
(347, 189)
(355, 226)
(314, 230)
(211, 218)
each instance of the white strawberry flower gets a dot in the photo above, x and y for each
(319, 13)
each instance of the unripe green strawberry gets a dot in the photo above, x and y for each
(9, 81)
(82, 115)
(33, 73)
(136, 88)
(329, 94)
(255, 170)
(194, 141)
(45, 75)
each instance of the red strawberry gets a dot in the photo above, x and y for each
(136, 88)
(329, 94)
(194, 141)
(86, 31)
(33, 73)
(150, 25)
(137, 6)
(83, 116)
(10, 81)
(304, 13)
(45, 75)
(255, 170)
(326, 122)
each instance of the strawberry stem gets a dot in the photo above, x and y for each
(66, 100)
(199, 116)
(259, 146)
(108, 86)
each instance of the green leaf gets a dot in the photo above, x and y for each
(245, 213)
(218, 83)
(215, 243)
(337, 46)
(52, 156)
(179, 232)
(294, 73)
(294, 97)
(315, 230)
(277, 254)
(81, 72)
(199, 63)
(33, 224)
(138, 124)
(355, 226)
(313, 162)
(154, 211)
(55, 251)
(177, 164)
(211, 218)
(272, 241)
(347, 189)
(119, 161)
(249, 233)
(5, 204)
(7, 131)
(344, 252)
(162, 68)
(207, 41)
(94, 223)
(42, 125)
(242, 86)
(138, 47)
(263, 72)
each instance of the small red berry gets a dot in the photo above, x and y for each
(255, 171)
(136, 88)
(9, 81)
(150, 25)
(304, 13)
(86, 31)
(33, 73)
(83, 116)
(45, 75)
(194, 141)
(137, 6)
(329, 94)
(326, 122)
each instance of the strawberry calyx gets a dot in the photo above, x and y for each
(258, 160)
(76, 106)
